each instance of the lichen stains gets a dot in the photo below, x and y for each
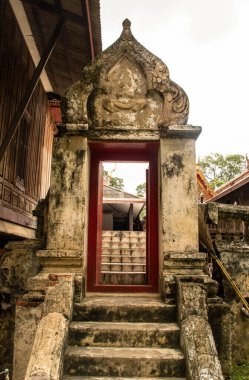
(173, 166)
(190, 185)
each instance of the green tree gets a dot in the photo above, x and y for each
(141, 190)
(219, 169)
(116, 182)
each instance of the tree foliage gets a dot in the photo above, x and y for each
(141, 190)
(219, 169)
(116, 182)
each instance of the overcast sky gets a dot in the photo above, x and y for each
(205, 44)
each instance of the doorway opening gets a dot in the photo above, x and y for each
(123, 253)
(123, 228)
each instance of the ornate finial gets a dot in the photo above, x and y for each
(126, 33)
(126, 24)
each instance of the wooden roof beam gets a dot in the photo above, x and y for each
(40, 4)
(90, 30)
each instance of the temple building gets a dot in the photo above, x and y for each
(107, 284)
(236, 191)
(67, 36)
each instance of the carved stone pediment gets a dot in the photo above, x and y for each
(126, 88)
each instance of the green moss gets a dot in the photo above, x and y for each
(240, 372)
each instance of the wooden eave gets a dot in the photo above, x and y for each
(79, 42)
(234, 184)
(203, 183)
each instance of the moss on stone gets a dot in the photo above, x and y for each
(240, 372)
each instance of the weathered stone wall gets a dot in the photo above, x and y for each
(221, 321)
(7, 327)
(17, 264)
(235, 257)
(229, 229)
(67, 210)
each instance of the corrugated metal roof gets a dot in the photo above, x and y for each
(73, 48)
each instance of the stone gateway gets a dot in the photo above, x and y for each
(124, 109)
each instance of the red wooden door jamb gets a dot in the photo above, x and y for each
(122, 152)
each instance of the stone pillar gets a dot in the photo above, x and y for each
(178, 190)
(67, 209)
(179, 212)
(27, 318)
(197, 339)
(46, 359)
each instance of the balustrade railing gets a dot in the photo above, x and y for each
(232, 223)
(221, 223)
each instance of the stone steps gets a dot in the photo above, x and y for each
(109, 248)
(123, 278)
(126, 246)
(123, 272)
(124, 264)
(120, 378)
(121, 337)
(124, 334)
(117, 233)
(125, 362)
(122, 258)
(120, 267)
(124, 309)
(123, 251)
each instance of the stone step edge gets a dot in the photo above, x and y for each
(131, 264)
(116, 272)
(132, 353)
(125, 251)
(68, 377)
(152, 326)
(119, 303)
(123, 256)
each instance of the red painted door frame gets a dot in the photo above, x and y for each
(123, 152)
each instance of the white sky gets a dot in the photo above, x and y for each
(205, 44)
(133, 174)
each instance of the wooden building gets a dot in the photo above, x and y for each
(204, 190)
(121, 210)
(68, 33)
(235, 191)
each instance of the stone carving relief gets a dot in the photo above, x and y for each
(18, 264)
(127, 90)
(125, 101)
(126, 87)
